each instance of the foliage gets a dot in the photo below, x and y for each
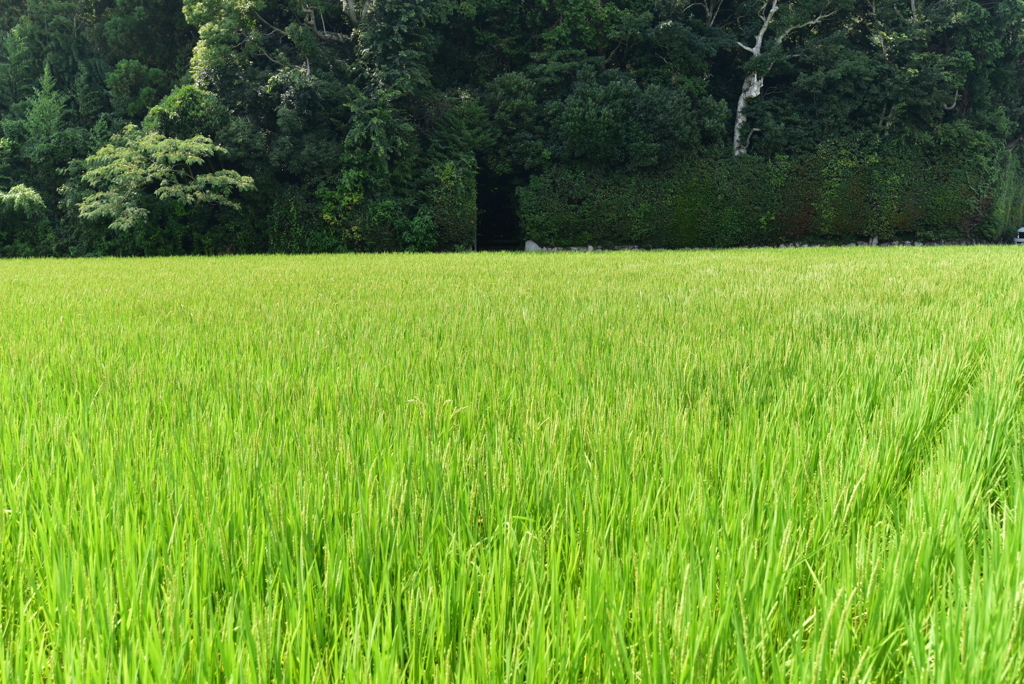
(136, 163)
(23, 223)
(451, 188)
(727, 202)
(420, 234)
(569, 207)
(22, 200)
(134, 88)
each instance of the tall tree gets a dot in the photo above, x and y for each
(763, 34)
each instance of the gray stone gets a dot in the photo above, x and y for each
(532, 246)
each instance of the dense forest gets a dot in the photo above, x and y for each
(136, 127)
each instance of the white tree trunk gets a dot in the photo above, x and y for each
(751, 89)
(754, 81)
(355, 15)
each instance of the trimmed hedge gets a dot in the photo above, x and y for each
(954, 184)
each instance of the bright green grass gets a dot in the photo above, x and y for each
(745, 466)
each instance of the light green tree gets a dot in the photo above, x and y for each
(22, 200)
(137, 167)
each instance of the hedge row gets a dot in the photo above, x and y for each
(951, 185)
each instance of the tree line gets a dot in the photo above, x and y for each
(223, 126)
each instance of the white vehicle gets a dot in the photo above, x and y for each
(1020, 236)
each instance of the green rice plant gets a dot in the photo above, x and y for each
(734, 466)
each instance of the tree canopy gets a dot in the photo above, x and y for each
(138, 126)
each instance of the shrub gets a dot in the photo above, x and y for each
(564, 206)
(452, 205)
(956, 184)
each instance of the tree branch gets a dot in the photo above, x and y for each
(767, 20)
(269, 25)
(367, 7)
(817, 20)
(357, 17)
(349, 7)
(752, 131)
(324, 34)
(267, 55)
(711, 10)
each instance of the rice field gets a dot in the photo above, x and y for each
(742, 466)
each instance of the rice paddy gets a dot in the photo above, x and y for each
(743, 466)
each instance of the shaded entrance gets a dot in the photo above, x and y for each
(497, 224)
